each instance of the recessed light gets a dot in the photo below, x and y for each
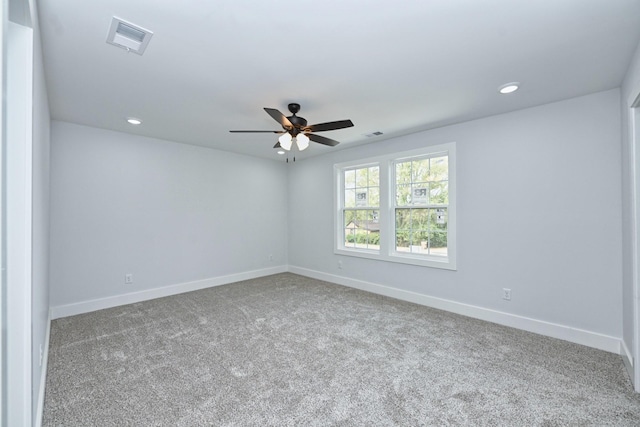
(134, 121)
(509, 87)
(281, 152)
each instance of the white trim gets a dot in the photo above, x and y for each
(43, 374)
(148, 294)
(554, 330)
(19, 216)
(634, 147)
(627, 359)
(4, 9)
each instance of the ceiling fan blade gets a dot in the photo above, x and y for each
(256, 131)
(321, 127)
(279, 117)
(322, 140)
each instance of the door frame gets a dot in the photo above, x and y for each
(634, 144)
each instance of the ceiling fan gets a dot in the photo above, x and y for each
(296, 129)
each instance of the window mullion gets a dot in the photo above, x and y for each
(386, 216)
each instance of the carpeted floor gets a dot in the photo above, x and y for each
(286, 350)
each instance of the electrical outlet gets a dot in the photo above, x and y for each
(128, 279)
(506, 294)
(340, 264)
(271, 257)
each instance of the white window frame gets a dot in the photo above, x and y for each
(367, 208)
(387, 250)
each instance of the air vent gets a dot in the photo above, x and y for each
(369, 135)
(128, 36)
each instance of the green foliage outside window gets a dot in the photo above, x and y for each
(434, 239)
(364, 238)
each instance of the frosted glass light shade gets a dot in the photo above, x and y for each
(303, 141)
(285, 141)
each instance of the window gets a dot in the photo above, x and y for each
(361, 208)
(399, 207)
(421, 204)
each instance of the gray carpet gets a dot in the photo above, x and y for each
(286, 350)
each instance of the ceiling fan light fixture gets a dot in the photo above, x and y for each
(302, 141)
(285, 141)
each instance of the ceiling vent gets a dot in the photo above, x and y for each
(369, 135)
(128, 36)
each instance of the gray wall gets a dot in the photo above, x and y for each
(168, 213)
(539, 211)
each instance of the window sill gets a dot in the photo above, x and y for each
(445, 263)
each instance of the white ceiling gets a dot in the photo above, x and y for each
(395, 67)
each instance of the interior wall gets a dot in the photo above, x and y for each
(40, 222)
(629, 91)
(539, 212)
(165, 212)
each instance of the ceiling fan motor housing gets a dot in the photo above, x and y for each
(298, 123)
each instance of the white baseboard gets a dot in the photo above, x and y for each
(627, 358)
(43, 374)
(148, 294)
(554, 330)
